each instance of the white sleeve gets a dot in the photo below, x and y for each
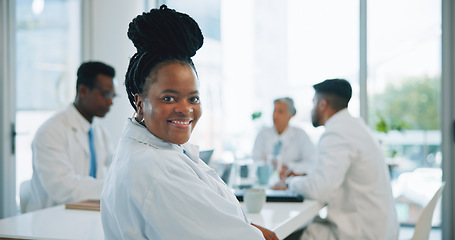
(186, 208)
(333, 162)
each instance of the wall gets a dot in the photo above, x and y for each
(448, 118)
(7, 158)
(106, 40)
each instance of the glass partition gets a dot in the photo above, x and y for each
(404, 74)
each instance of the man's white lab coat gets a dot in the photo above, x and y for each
(61, 160)
(351, 176)
(156, 191)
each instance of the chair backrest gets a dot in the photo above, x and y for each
(24, 194)
(423, 225)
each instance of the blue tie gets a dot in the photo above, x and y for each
(92, 154)
(277, 148)
(184, 151)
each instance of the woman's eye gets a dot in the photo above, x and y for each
(194, 100)
(169, 99)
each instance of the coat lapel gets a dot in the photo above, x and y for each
(80, 136)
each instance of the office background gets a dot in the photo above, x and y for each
(342, 44)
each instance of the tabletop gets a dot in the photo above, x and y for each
(60, 223)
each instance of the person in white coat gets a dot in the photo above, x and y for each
(290, 144)
(62, 159)
(350, 176)
(157, 186)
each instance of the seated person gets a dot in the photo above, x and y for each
(71, 150)
(157, 186)
(350, 175)
(288, 144)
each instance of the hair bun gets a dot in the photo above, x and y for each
(165, 31)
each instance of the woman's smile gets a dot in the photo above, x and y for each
(181, 123)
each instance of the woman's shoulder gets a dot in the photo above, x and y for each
(136, 166)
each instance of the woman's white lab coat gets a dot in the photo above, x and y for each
(352, 178)
(61, 160)
(155, 191)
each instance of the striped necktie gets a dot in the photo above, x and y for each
(92, 154)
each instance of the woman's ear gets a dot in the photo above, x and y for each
(139, 104)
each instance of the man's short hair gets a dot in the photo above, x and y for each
(337, 91)
(289, 102)
(88, 71)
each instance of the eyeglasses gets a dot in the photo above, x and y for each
(106, 93)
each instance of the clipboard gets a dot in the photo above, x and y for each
(92, 205)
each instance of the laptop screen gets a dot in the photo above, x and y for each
(274, 195)
(206, 155)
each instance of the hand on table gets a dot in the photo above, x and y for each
(268, 235)
(285, 172)
(280, 185)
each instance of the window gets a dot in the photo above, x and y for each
(404, 75)
(48, 52)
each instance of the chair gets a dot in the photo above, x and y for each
(423, 225)
(24, 195)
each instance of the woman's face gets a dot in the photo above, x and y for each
(171, 106)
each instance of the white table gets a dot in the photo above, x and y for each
(54, 223)
(60, 223)
(285, 218)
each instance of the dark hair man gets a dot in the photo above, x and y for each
(350, 175)
(71, 151)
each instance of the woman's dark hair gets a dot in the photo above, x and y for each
(161, 35)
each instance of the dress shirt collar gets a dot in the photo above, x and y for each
(284, 133)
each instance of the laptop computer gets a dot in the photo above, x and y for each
(206, 155)
(273, 195)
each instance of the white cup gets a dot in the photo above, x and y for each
(254, 199)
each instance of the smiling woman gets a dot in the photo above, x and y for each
(157, 179)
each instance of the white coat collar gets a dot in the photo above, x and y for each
(138, 132)
(79, 125)
(343, 113)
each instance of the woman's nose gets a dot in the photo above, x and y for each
(184, 108)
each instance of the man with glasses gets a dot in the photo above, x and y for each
(71, 151)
